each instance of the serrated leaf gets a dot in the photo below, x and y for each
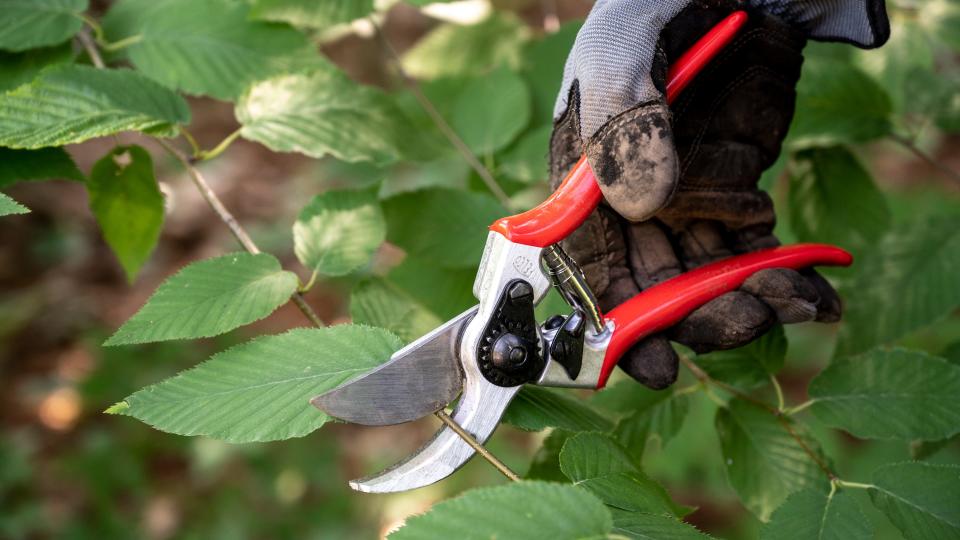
(905, 283)
(42, 164)
(597, 463)
(543, 62)
(919, 498)
(833, 199)
(261, 390)
(527, 159)
(204, 47)
(519, 511)
(311, 13)
(545, 464)
(447, 227)
(812, 515)
(643, 526)
(339, 231)
(456, 50)
(764, 462)
(9, 206)
(128, 205)
(750, 366)
(70, 104)
(320, 113)
(837, 103)
(20, 68)
(28, 24)
(536, 408)
(377, 302)
(210, 297)
(659, 422)
(889, 394)
(487, 125)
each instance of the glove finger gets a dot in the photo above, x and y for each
(651, 255)
(863, 23)
(792, 297)
(700, 242)
(652, 362)
(726, 322)
(830, 307)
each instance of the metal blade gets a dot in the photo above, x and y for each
(418, 380)
(479, 411)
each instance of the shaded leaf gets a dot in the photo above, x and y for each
(204, 47)
(452, 49)
(42, 164)
(320, 113)
(70, 104)
(210, 297)
(545, 464)
(889, 394)
(833, 199)
(597, 463)
(907, 282)
(28, 24)
(487, 124)
(543, 62)
(9, 206)
(260, 391)
(20, 68)
(128, 205)
(750, 366)
(519, 511)
(444, 291)
(645, 414)
(377, 302)
(527, 159)
(311, 13)
(812, 515)
(764, 462)
(645, 526)
(925, 449)
(536, 408)
(451, 172)
(919, 498)
(339, 231)
(447, 227)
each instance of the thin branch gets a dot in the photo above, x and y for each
(438, 119)
(475, 444)
(88, 45)
(926, 158)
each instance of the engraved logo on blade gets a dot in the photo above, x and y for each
(523, 265)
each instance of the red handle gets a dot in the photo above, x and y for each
(667, 303)
(579, 194)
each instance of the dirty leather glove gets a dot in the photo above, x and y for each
(680, 189)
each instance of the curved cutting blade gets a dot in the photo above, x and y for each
(418, 380)
(479, 411)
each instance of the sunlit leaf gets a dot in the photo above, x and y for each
(812, 515)
(260, 391)
(70, 104)
(889, 394)
(210, 297)
(9, 206)
(487, 125)
(919, 498)
(28, 24)
(452, 49)
(311, 13)
(338, 231)
(643, 526)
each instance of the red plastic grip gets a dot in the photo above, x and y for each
(568, 207)
(669, 302)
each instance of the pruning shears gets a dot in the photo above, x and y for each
(486, 354)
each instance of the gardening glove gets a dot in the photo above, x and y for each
(680, 186)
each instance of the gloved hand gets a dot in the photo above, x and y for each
(680, 189)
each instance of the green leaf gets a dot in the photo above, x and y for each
(9, 206)
(444, 291)
(28, 24)
(812, 515)
(543, 61)
(455, 50)
(339, 231)
(919, 498)
(311, 13)
(923, 450)
(260, 391)
(536, 409)
(447, 227)
(838, 103)
(518, 511)
(487, 125)
(833, 199)
(70, 104)
(642, 526)
(942, 19)
(750, 366)
(449, 172)
(905, 283)
(320, 113)
(210, 297)
(527, 159)
(377, 302)
(889, 394)
(128, 205)
(42, 164)
(204, 47)
(659, 422)
(597, 463)
(763, 461)
(545, 464)
(20, 68)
